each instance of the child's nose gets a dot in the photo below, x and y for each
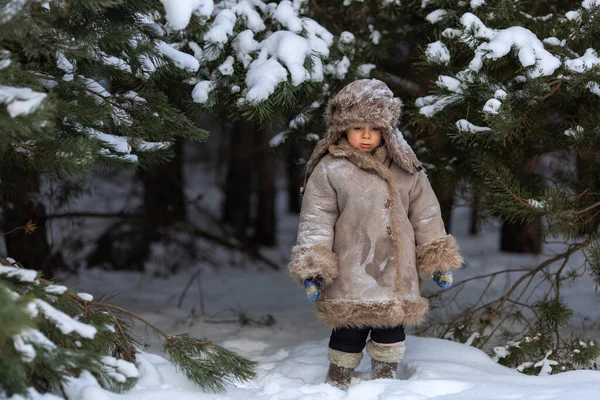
(367, 133)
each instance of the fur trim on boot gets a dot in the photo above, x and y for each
(387, 352)
(343, 359)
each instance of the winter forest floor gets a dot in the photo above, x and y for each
(292, 352)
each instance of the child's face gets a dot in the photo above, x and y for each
(364, 137)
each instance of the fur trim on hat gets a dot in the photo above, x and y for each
(440, 254)
(346, 313)
(366, 101)
(310, 261)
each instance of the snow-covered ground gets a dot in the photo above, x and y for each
(292, 353)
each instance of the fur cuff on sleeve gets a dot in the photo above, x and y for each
(440, 254)
(310, 261)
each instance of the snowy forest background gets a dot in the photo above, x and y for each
(151, 157)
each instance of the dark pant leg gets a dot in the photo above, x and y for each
(388, 335)
(348, 340)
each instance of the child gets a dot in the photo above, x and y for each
(370, 229)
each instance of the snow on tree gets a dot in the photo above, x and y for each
(257, 60)
(80, 85)
(515, 91)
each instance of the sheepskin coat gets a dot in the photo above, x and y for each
(370, 224)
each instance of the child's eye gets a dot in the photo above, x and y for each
(357, 128)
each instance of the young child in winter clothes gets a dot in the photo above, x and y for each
(370, 229)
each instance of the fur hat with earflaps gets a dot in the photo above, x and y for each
(366, 101)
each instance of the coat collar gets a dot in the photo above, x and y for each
(379, 162)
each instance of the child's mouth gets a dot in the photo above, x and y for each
(365, 146)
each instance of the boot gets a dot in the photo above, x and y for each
(339, 377)
(384, 358)
(382, 369)
(341, 367)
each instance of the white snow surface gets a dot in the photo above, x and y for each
(201, 91)
(530, 50)
(580, 65)
(179, 12)
(432, 104)
(590, 3)
(20, 101)
(449, 83)
(437, 52)
(286, 16)
(436, 16)
(22, 275)
(364, 70)
(347, 37)
(594, 88)
(263, 77)
(279, 57)
(492, 106)
(64, 322)
(466, 127)
(292, 353)
(179, 58)
(431, 369)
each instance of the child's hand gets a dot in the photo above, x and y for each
(313, 288)
(443, 279)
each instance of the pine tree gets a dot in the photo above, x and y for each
(49, 334)
(516, 92)
(59, 118)
(81, 84)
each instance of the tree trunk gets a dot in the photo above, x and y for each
(20, 203)
(265, 226)
(474, 225)
(521, 237)
(588, 181)
(163, 189)
(444, 192)
(295, 179)
(238, 185)
(126, 245)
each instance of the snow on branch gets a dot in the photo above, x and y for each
(11, 9)
(179, 12)
(22, 275)
(529, 48)
(20, 101)
(293, 50)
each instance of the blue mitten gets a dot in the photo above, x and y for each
(313, 288)
(443, 279)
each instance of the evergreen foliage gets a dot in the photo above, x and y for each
(49, 334)
(516, 91)
(80, 81)
(258, 60)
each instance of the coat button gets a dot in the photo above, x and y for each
(388, 203)
(388, 229)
